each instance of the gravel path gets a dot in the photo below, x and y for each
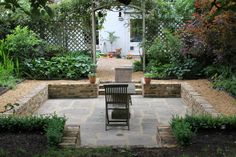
(220, 100)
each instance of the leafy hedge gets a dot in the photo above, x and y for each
(61, 67)
(51, 126)
(184, 128)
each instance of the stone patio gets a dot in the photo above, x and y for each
(146, 115)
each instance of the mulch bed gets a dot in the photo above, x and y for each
(22, 144)
(204, 144)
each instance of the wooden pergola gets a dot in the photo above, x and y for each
(96, 6)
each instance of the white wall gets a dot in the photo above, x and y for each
(121, 29)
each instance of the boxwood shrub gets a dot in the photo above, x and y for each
(184, 128)
(51, 126)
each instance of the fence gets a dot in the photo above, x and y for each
(69, 34)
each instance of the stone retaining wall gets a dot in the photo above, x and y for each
(73, 90)
(32, 101)
(164, 90)
(196, 103)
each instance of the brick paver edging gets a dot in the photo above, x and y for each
(71, 137)
(165, 137)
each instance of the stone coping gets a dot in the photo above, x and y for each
(29, 103)
(197, 104)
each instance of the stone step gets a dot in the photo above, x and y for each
(137, 91)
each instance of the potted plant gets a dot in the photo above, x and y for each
(148, 77)
(112, 38)
(92, 78)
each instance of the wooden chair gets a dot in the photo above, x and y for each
(117, 105)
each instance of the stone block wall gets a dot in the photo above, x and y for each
(32, 101)
(164, 90)
(73, 90)
(196, 103)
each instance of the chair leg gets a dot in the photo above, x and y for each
(130, 100)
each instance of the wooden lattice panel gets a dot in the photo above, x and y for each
(68, 33)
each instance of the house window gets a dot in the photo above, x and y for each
(136, 30)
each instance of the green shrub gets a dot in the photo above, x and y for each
(52, 126)
(63, 67)
(51, 50)
(54, 131)
(181, 131)
(22, 44)
(184, 128)
(7, 69)
(223, 77)
(138, 66)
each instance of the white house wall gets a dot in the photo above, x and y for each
(122, 30)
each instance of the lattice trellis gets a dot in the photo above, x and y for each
(154, 31)
(68, 33)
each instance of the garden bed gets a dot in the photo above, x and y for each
(205, 143)
(23, 144)
(215, 144)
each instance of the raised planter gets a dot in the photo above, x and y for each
(197, 105)
(31, 102)
(164, 90)
(73, 90)
(195, 102)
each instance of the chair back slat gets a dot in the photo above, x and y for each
(116, 93)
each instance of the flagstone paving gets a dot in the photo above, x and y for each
(146, 114)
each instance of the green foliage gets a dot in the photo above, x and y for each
(210, 122)
(32, 8)
(91, 74)
(51, 50)
(223, 77)
(148, 75)
(138, 66)
(165, 51)
(112, 38)
(181, 131)
(52, 126)
(184, 128)
(62, 67)
(54, 131)
(22, 44)
(166, 61)
(168, 14)
(7, 69)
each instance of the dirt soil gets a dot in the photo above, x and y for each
(205, 144)
(22, 145)
(220, 100)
